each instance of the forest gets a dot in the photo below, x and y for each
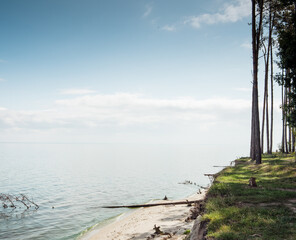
(274, 40)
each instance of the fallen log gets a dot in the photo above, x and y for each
(153, 204)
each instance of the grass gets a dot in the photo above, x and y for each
(236, 211)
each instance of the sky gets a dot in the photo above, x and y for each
(132, 71)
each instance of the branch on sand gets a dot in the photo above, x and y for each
(154, 204)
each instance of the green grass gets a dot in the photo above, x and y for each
(236, 211)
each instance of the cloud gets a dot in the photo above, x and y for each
(246, 45)
(124, 109)
(147, 11)
(76, 91)
(229, 13)
(2, 80)
(169, 28)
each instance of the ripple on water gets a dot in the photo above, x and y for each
(78, 179)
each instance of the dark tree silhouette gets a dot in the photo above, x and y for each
(257, 20)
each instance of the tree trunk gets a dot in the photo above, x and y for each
(289, 127)
(285, 103)
(256, 34)
(271, 100)
(283, 117)
(293, 140)
(265, 99)
(263, 119)
(252, 148)
(266, 76)
(267, 124)
(294, 133)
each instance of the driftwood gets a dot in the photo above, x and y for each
(187, 182)
(209, 174)
(159, 232)
(8, 200)
(18, 206)
(211, 177)
(154, 204)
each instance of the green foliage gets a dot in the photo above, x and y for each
(236, 211)
(286, 37)
(187, 231)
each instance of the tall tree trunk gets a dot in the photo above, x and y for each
(266, 75)
(263, 120)
(294, 144)
(293, 139)
(285, 103)
(271, 100)
(265, 100)
(283, 118)
(256, 34)
(289, 127)
(252, 148)
(267, 123)
(290, 139)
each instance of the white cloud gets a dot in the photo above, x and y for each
(124, 109)
(2, 79)
(76, 91)
(229, 13)
(169, 28)
(147, 11)
(246, 45)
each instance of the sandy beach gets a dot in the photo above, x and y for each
(140, 223)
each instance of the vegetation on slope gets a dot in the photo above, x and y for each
(235, 210)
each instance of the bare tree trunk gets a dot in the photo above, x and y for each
(267, 123)
(256, 34)
(290, 139)
(293, 140)
(271, 99)
(252, 148)
(266, 75)
(283, 117)
(289, 127)
(263, 119)
(285, 103)
(265, 100)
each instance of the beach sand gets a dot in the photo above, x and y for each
(139, 224)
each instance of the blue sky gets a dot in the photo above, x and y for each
(125, 71)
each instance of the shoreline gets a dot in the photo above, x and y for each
(139, 224)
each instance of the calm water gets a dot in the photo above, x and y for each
(79, 178)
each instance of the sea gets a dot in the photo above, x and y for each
(71, 182)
